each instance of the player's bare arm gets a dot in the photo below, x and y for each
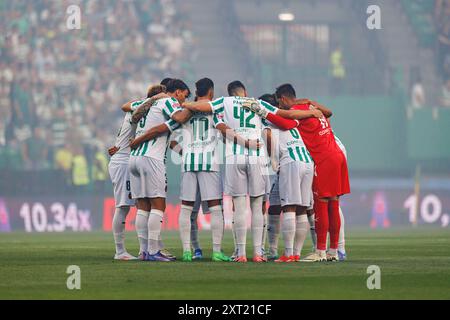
(326, 112)
(182, 116)
(199, 106)
(127, 106)
(113, 150)
(232, 135)
(149, 135)
(299, 114)
(143, 108)
(176, 147)
(267, 137)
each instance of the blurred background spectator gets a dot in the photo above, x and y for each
(58, 84)
(417, 93)
(445, 97)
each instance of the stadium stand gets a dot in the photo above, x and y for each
(61, 89)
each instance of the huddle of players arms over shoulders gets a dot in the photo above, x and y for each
(276, 129)
(197, 127)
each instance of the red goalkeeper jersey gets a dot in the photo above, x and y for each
(316, 133)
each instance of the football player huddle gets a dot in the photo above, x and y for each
(279, 150)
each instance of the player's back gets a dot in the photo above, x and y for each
(155, 148)
(245, 122)
(200, 142)
(126, 132)
(318, 136)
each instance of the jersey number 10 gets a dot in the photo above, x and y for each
(200, 128)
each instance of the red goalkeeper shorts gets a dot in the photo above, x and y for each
(331, 177)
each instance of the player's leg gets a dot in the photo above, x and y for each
(257, 181)
(306, 178)
(257, 226)
(155, 188)
(274, 228)
(233, 231)
(118, 226)
(236, 186)
(290, 195)
(312, 226)
(142, 204)
(266, 220)
(322, 224)
(288, 232)
(341, 187)
(345, 188)
(212, 192)
(324, 185)
(334, 228)
(265, 213)
(341, 244)
(198, 254)
(120, 177)
(301, 231)
(188, 194)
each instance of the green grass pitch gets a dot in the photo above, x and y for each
(415, 264)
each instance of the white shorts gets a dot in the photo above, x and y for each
(311, 207)
(120, 177)
(209, 184)
(148, 177)
(243, 179)
(274, 197)
(296, 183)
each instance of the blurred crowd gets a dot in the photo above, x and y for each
(61, 89)
(442, 19)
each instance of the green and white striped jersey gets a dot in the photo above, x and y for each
(289, 145)
(160, 112)
(245, 122)
(126, 132)
(200, 141)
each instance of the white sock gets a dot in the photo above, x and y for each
(288, 230)
(118, 226)
(312, 228)
(300, 233)
(184, 223)
(160, 243)
(217, 224)
(266, 220)
(341, 244)
(155, 220)
(240, 224)
(194, 230)
(141, 225)
(257, 224)
(233, 230)
(273, 232)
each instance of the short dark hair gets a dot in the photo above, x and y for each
(269, 98)
(203, 86)
(177, 84)
(234, 86)
(286, 90)
(165, 81)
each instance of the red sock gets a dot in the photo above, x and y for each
(335, 223)
(321, 215)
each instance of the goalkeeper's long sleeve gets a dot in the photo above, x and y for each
(282, 123)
